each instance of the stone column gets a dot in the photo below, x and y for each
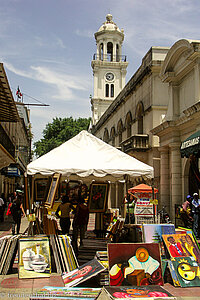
(175, 176)
(104, 51)
(196, 81)
(114, 52)
(164, 178)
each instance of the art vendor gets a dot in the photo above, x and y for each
(130, 201)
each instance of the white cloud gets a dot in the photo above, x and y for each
(63, 86)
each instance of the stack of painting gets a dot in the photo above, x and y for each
(64, 259)
(103, 277)
(40, 255)
(184, 263)
(8, 251)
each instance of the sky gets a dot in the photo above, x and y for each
(46, 46)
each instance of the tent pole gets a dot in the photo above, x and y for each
(26, 193)
(153, 196)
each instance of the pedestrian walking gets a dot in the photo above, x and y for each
(80, 223)
(195, 212)
(17, 212)
(63, 213)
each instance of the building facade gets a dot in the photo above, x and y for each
(179, 172)
(15, 138)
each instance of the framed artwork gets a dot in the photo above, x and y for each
(134, 264)
(34, 257)
(98, 197)
(41, 186)
(52, 190)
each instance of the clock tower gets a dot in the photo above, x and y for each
(109, 67)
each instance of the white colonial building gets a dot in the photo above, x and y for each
(156, 111)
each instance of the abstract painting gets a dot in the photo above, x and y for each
(187, 271)
(135, 264)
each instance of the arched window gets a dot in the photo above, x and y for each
(119, 130)
(112, 136)
(128, 124)
(110, 51)
(139, 116)
(112, 90)
(101, 51)
(107, 90)
(106, 136)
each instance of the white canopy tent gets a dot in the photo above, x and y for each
(85, 157)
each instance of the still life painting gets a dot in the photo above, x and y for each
(34, 258)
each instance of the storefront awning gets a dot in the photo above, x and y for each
(191, 145)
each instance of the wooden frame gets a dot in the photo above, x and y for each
(52, 191)
(41, 186)
(98, 197)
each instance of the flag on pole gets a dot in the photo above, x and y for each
(18, 93)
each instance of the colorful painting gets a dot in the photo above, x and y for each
(66, 293)
(98, 197)
(187, 271)
(182, 245)
(134, 292)
(82, 273)
(135, 264)
(34, 257)
(153, 234)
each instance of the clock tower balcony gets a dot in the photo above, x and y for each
(110, 58)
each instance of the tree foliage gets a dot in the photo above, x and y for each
(58, 132)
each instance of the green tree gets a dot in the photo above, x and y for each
(58, 132)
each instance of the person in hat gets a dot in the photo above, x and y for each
(185, 212)
(195, 212)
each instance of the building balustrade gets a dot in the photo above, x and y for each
(110, 57)
(137, 142)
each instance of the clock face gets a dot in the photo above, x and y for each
(109, 76)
